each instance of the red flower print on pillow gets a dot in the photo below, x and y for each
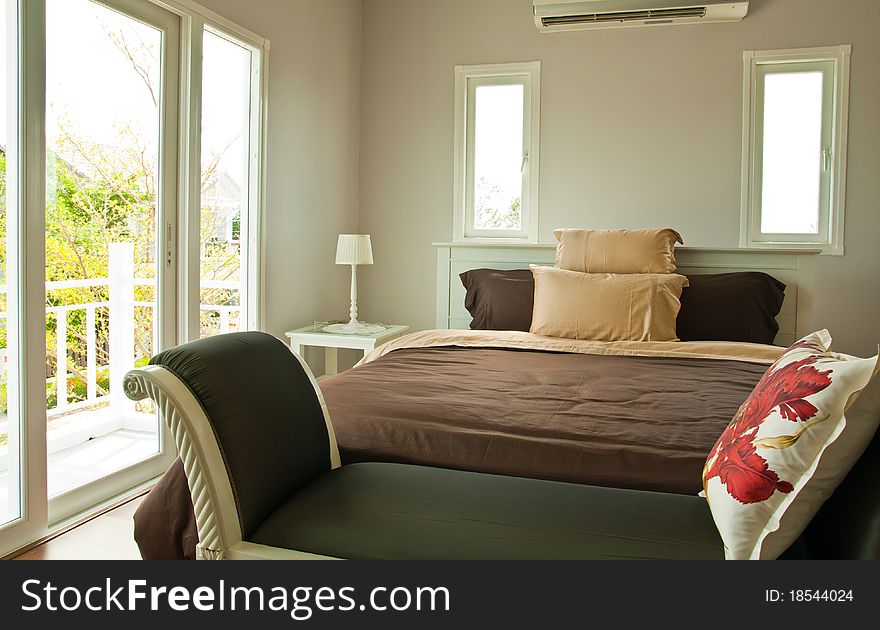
(735, 460)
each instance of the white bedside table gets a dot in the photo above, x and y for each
(331, 342)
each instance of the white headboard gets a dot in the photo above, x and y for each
(793, 267)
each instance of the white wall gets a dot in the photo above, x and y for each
(314, 109)
(640, 127)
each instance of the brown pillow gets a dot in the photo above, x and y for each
(499, 300)
(606, 307)
(738, 306)
(617, 251)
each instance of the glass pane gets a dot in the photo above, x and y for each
(792, 153)
(10, 420)
(102, 136)
(226, 143)
(498, 157)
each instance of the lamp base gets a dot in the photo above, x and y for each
(354, 328)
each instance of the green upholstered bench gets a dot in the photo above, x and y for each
(263, 469)
(394, 511)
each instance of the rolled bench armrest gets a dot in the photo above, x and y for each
(213, 500)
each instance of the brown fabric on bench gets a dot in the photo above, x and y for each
(164, 523)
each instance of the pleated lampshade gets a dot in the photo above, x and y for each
(354, 249)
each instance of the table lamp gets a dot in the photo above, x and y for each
(354, 250)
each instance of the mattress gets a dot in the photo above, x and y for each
(642, 422)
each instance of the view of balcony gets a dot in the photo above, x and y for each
(92, 428)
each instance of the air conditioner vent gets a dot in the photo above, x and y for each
(626, 16)
(582, 15)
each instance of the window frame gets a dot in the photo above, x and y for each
(197, 19)
(467, 79)
(834, 62)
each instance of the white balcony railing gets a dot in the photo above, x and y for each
(121, 307)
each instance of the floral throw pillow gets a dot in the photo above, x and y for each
(789, 446)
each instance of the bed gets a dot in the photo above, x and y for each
(635, 415)
(639, 415)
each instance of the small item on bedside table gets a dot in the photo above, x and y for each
(338, 327)
(354, 250)
(356, 328)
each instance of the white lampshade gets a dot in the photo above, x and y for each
(354, 249)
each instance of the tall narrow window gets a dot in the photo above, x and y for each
(228, 184)
(10, 416)
(497, 145)
(794, 158)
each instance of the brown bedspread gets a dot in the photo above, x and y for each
(622, 421)
(631, 422)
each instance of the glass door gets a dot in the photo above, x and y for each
(104, 131)
(10, 416)
(111, 171)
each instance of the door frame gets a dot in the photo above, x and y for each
(177, 280)
(27, 302)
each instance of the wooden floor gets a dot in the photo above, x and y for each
(107, 537)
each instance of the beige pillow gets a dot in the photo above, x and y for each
(617, 251)
(606, 307)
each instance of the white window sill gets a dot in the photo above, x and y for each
(824, 249)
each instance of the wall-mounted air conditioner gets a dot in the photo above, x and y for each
(579, 15)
